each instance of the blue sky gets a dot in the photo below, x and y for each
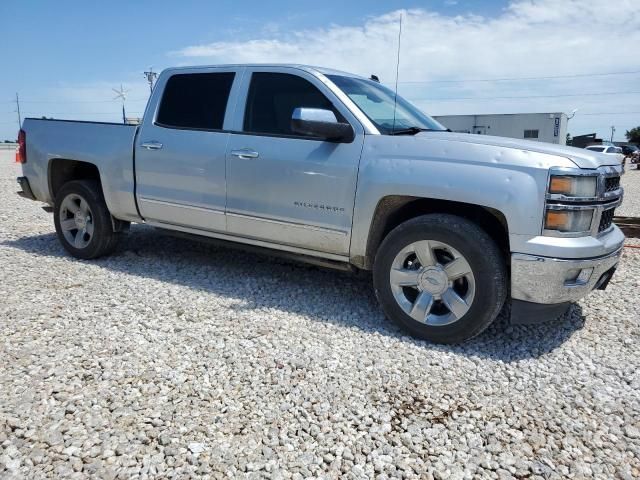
(65, 56)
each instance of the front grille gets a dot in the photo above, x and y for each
(606, 219)
(611, 184)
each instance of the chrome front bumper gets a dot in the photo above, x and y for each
(547, 280)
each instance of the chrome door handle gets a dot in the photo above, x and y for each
(153, 145)
(245, 153)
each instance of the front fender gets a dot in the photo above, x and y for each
(510, 181)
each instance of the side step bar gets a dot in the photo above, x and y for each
(298, 257)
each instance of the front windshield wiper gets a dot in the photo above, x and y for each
(413, 131)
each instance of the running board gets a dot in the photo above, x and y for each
(263, 250)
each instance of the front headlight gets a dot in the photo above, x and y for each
(568, 221)
(573, 186)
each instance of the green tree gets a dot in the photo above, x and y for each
(633, 135)
(569, 139)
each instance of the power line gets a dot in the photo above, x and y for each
(509, 79)
(519, 97)
(76, 113)
(117, 113)
(75, 101)
(611, 113)
(81, 101)
(462, 80)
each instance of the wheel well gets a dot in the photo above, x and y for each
(62, 171)
(393, 210)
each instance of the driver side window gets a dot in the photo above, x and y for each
(273, 97)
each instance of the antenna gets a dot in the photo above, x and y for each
(395, 96)
(18, 105)
(122, 93)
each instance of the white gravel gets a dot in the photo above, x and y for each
(173, 359)
(631, 182)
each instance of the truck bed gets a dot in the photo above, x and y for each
(109, 146)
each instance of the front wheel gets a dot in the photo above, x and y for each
(82, 220)
(441, 277)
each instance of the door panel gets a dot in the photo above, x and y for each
(180, 150)
(296, 192)
(283, 187)
(184, 182)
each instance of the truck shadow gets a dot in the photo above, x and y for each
(257, 281)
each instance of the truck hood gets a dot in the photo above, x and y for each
(581, 157)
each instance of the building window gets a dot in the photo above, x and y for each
(531, 133)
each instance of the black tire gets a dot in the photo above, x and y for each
(478, 249)
(103, 240)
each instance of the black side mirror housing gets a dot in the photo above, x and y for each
(317, 122)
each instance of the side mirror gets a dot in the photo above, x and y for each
(316, 122)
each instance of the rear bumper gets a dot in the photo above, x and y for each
(25, 191)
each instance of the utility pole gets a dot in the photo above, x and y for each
(569, 117)
(18, 105)
(151, 77)
(613, 130)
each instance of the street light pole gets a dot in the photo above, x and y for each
(569, 117)
(613, 130)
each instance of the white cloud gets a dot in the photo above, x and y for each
(529, 38)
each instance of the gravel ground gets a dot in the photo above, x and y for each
(631, 182)
(174, 359)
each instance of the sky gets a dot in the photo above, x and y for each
(64, 57)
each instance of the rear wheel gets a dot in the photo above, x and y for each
(441, 277)
(82, 220)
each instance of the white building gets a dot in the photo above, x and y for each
(542, 127)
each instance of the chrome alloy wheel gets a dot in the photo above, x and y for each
(76, 221)
(432, 282)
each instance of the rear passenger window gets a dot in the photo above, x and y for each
(195, 100)
(272, 99)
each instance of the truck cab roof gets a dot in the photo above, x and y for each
(308, 68)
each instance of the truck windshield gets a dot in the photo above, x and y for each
(377, 103)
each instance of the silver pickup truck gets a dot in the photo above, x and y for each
(336, 169)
